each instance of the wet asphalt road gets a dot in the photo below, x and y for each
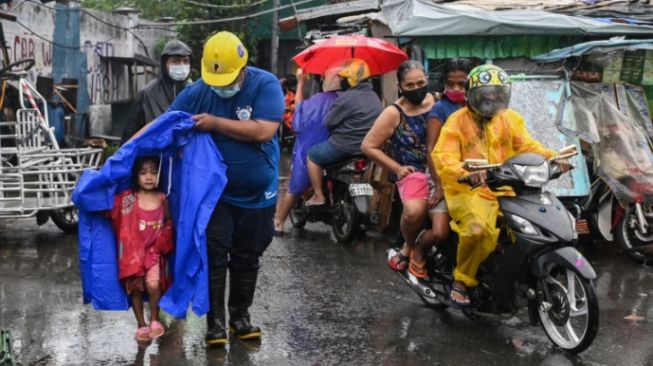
(319, 303)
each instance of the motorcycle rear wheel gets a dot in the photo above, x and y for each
(630, 237)
(297, 214)
(571, 316)
(345, 221)
(437, 261)
(66, 219)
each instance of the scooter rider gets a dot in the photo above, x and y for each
(485, 129)
(348, 120)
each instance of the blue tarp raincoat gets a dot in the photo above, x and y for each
(195, 180)
(308, 124)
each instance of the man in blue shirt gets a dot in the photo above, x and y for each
(243, 107)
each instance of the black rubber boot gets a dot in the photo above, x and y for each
(215, 318)
(241, 295)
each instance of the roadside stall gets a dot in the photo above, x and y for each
(510, 38)
(608, 106)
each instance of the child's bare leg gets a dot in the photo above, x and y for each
(137, 306)
(154, 290)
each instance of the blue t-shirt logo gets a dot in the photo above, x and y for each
(244, 113)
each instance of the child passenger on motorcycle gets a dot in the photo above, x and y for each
(454, 76)
(403, 124)
(485, 129)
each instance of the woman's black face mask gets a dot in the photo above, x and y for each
(415, 96)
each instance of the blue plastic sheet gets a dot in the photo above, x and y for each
(308, 124)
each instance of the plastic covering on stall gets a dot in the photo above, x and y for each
(614, 119)
(539, 101)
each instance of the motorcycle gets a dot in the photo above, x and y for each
(534, 265)
(601, 216)
(347, 205)
(620, 204)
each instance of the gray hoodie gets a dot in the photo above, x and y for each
(155, 98)
(351, 116)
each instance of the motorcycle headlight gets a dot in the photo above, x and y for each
(533, 175)
(523, 225)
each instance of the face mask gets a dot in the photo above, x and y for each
(228, 92)
(456, 96)
(178, 72)
(415, 96)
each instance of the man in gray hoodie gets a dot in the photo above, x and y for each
(155, 98)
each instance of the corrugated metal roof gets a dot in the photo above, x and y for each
(424, 18)
(349, 7)
(514, 4)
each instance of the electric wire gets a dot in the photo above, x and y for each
(234, 6)
(222, 20)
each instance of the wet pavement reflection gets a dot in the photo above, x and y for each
(318, 303)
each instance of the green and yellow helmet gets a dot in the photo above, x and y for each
(488, 90)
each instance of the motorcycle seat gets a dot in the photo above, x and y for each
(340, 163)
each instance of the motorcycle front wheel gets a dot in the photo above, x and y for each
(630, 236)
(570, 314)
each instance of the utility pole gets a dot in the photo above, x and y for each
(274, 39)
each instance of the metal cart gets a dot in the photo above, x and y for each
(37, 177)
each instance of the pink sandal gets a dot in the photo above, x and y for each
(156, 329)
(143, 334)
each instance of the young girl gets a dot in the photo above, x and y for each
(144, 235)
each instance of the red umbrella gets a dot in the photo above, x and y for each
(381, 56)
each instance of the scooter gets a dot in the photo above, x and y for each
(601, 216)
(347, 205)
(534, 265)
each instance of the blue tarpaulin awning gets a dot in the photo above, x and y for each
(610, 45)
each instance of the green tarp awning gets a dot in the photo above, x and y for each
(489, 46)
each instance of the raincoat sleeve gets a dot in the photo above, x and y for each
(522, 142)
(447, 155)
(136, 121)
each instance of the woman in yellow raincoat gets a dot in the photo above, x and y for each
(484, 129)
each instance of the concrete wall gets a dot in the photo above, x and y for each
(101, 35)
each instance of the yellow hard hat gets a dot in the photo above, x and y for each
(354, 70)
(223, 58)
